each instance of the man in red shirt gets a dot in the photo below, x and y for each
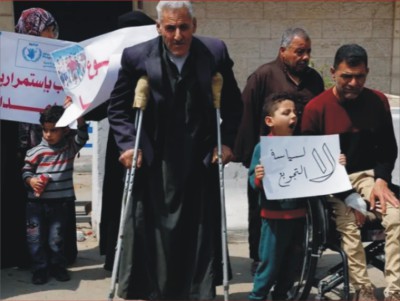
(362, 118)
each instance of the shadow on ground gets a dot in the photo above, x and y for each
(16, 282)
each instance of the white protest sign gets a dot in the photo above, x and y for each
(28, 80)
(88, 70)
(302, 166)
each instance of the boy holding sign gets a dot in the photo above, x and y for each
(282, 220)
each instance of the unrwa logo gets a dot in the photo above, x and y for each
(31, 53)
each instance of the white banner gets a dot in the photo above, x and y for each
(302, 166)
(88, 70)
(28, 80)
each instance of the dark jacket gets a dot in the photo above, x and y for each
(145, 59)
(171, 248)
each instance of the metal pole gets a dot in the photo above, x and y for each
(217, 83)
(140, 101)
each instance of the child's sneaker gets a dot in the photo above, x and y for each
(60, 273)
(40, 277)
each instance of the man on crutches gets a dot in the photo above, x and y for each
(171, 247)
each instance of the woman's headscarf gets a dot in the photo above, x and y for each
(34, 20)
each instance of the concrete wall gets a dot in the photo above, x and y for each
(395, 74)
(252, 31)
(6, 16)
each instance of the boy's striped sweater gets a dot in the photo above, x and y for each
(57, 161)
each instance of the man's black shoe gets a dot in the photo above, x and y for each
(40, 277)
(60, 273)
(108, 267)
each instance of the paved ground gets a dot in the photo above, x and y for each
(91, 282)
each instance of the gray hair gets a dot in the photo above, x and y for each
(290, 33)
(163, 5)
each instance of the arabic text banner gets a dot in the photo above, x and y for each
(28, 80)
(302, 166)
(88, 70)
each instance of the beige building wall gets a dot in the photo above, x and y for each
(6, 16)
(395, 75)
(252, 32)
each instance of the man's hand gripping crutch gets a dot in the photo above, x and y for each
(223, 155)
(131, 160)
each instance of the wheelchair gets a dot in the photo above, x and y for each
(319, 235)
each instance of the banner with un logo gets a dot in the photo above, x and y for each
(36, 72)
(28, 80)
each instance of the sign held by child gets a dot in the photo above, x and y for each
(302, 166)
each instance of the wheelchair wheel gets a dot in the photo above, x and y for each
(314, 231)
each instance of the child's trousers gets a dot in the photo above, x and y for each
(45, 228)
(281, 253)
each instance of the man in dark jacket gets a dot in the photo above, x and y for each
(171, 247)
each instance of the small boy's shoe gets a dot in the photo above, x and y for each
(40, 277)
(60, 273)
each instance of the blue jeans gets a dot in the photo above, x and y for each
(280, 247)
(45, 228)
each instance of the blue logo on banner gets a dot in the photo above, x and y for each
(31, 54)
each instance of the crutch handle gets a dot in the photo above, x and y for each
(141, 93)
(216, 86)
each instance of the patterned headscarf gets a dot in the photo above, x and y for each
(34, 20)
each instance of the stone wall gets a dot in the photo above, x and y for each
(252, 31)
